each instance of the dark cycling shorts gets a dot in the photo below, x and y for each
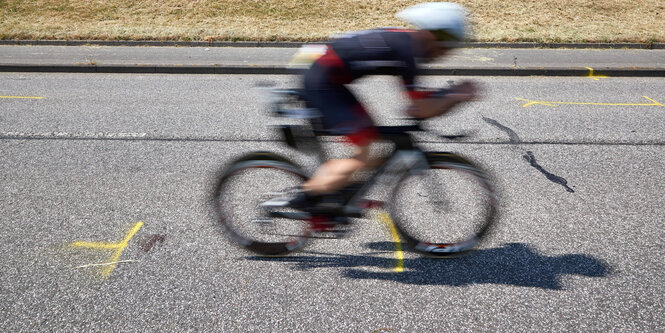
(342, 113)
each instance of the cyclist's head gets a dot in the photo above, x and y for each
(445, 20)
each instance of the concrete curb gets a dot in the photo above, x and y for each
(280, 70)
(150, 69)
(645, 46)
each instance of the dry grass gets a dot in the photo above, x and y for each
(305, 20)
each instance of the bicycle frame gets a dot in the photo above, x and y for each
(399, 163)
(406, 157)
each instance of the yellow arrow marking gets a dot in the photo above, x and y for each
(398, 242)
(551, 103)
(119, 247)
(595, 77)
(22, 97)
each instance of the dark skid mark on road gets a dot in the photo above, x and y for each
(554, 178)
(514, 138)
(515, 264)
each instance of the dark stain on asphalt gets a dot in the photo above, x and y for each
(554, 178)
(514, 138)
(148, 243)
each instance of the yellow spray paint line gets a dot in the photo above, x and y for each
(125, 243)
(595, 77)
(119, 247)
(98, 245)
(654, 102)
(399, 255)
(553, 103)
(22, 97)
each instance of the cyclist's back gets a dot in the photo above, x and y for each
(367, 52)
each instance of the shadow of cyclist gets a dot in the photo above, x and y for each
(514, 264)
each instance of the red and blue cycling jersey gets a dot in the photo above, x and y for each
(372, 52)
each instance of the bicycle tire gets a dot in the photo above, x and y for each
(445, 210)
(237, 204)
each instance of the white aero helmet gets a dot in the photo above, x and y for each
(446, 20)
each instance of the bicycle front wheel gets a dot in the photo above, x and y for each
(444, 211)
(239, 204)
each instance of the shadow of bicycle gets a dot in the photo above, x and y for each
(514, 264)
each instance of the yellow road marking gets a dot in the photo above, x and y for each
(595, 77)
(98, 245)
(398, 242)
(119, 247)
(552, 103)
(22, 97)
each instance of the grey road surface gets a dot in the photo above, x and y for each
(116, 170)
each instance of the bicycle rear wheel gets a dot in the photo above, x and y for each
(445, 210)
(237, 202)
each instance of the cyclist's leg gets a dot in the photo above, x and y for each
(342, 115)
(336, 173)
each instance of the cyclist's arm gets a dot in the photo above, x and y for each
(432, 104)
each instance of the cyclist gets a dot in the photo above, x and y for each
(441, 25)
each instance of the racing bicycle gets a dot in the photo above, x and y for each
(441, 203)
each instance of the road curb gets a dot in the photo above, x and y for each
(150, 69)
(644, 46)
(281, 70)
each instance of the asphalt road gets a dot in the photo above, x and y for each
(579, 244)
